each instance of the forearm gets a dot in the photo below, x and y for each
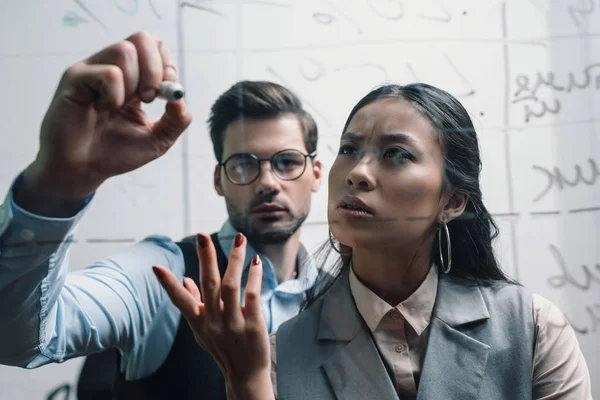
(29, 291)
(110, 304)
(33, 264)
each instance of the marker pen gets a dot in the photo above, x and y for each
(171, 91)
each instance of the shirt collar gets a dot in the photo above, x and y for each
(416, 310)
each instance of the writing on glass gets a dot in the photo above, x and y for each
(583, 279)
(84, 13)
(586, 174)
(535, 105)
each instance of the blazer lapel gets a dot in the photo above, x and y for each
(455, 362)
(354, 367)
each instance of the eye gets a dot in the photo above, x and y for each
(347, 149)
(398, 155)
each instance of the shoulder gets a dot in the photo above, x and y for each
(559, 366)
(551, 323)
(545, 311)
(296, 328)
(506, 294)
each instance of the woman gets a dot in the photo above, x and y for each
(417, 306)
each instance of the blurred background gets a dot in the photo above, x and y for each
(528, 71)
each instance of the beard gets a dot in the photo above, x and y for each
(265, 231)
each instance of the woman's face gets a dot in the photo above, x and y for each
(385, 186)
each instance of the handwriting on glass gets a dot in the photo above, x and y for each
(590, 274)
(528, 88)
(128, 7)
(589, 277)
(556, 178)
(389, 10)
(312, 70)
(578, 13)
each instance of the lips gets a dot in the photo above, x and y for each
(354, 205)
(268, 208)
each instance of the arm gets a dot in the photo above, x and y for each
(94, 129)
(559, 369)
(49, 315)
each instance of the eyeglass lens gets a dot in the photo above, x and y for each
(287, 165)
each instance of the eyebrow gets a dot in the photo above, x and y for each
(384, 137)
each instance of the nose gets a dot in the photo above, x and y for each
(267, 182)
(361, 176)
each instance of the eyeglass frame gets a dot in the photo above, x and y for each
(270, 159)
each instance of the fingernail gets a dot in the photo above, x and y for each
(201, 240)
(157, 272)
(255, 259)
(148, 95)
(239, 239)
(170, 72)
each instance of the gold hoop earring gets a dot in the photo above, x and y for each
(445, 266)
(335, 249)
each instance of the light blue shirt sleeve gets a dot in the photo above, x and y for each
(50, 315)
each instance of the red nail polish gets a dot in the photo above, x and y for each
(201, 240)
(239, 239)
(255, 259)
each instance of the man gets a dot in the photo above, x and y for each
(94, 129)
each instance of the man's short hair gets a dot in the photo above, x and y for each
(257, 100)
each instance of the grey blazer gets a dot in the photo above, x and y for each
(481, 345)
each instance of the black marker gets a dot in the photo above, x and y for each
(171, 91)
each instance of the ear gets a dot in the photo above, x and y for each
(317, 175)
(454, 207)
(217, 180)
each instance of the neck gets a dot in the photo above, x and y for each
(283, 256)
(392, 274)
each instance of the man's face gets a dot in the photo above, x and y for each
(269, 210)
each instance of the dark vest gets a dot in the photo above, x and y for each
(188, 372)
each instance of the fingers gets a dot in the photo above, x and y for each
(168, 62)
(144, 60)
(99, 84)
(192, 288)
(210, 279)
(252, 291)
(123, 55)
(173, 123)
(150, 64)
(230, 287)
(183, 299)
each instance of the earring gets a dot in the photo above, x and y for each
(335, 249)
(445, 266)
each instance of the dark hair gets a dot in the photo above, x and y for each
(472, 233)
(257, 100)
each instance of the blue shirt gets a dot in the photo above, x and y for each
(50, 315)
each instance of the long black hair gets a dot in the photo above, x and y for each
(472, 233)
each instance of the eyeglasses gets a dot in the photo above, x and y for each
(245, 168)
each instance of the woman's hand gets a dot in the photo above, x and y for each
(235, 335)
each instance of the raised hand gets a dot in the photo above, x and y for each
(236, 335)
(95, 128)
